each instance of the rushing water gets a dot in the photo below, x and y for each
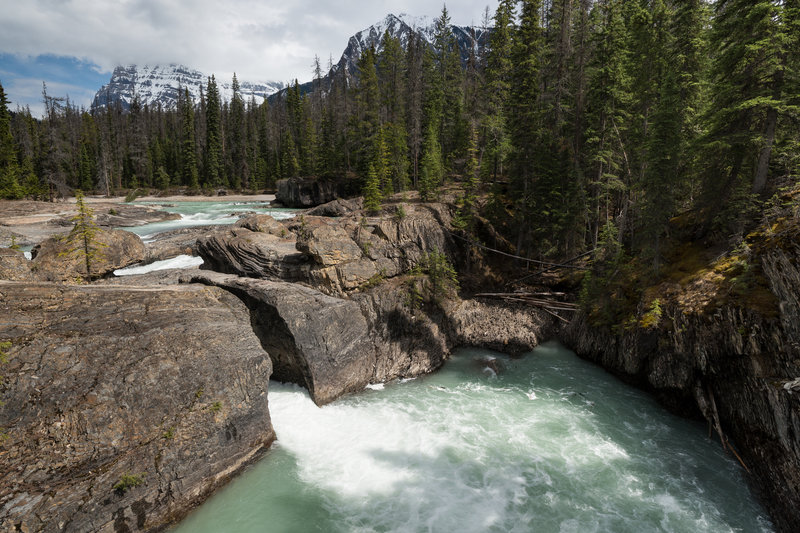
(203, 213)
(549, 444)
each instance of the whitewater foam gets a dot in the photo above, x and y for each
(459, 451)
(180, 261)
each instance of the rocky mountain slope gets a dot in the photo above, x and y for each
(402, 27)
(161, 84)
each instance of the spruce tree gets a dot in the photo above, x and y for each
(214, 172)
(240, 175)
(82, 239)
(522, 111)
(606, 116)
(9, 165)
(189, 170)
(372, 191)
(497, 86)
(747, 42)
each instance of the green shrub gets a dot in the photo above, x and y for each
(128, 481)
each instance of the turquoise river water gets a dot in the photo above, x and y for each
(550, 443)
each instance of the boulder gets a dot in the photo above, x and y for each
(128, 215)
(263, 224)
(14, 265)
(54, 260)
(254, 254)
(336, 208)
(311, 191)
(124, 407)
(328, 245)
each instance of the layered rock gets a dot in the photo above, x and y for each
(124, 407)
(56, 258)
(310, 192)
(333, 346)
(336, 208)
(13, 265)
(335, 256)
(732, 365)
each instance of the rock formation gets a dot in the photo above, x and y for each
(13, 265)
(335, 256)
(350, 320)
(732, 365)
(54, 260)
(124, 406)
(310, 192)
(333, 346)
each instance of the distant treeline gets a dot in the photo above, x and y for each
(582, 118)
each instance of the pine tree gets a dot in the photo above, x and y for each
(431, 170)
(522, 110)
(214, 172)
(240, 175)
(189, 171)
(82, 239)
(9, 166)
(607, 99)
(747, 41)
(392, 71)
(372, 191)
(369, 118)
(452, 126)
(498, 70)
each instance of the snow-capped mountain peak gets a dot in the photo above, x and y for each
(161, 84)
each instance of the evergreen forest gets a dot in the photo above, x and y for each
(579, 125)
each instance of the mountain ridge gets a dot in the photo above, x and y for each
(159, 84)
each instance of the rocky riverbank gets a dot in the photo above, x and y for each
(124, 407)
(28, 223)
(734, 365)
(112, 425)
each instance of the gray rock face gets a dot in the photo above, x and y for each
(254, 254)
(53, 260)
(731, 365)
(336, 208)
(13, 265)
(336, 256)
(310, 192)
(333, 346)
(167, 385)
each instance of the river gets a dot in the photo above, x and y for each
(550, 443)
(543, 443)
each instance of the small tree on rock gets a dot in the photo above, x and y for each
(82, 239)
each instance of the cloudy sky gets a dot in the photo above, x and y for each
(74, 45)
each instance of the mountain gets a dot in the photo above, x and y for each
(401, 27)
(160, 84)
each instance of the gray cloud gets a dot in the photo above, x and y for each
(258, 39)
